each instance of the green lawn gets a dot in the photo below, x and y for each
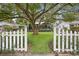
(40, 42)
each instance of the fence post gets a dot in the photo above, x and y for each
(25, 38)
(54, 39)
(59, 40)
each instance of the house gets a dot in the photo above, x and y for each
(74, 23)
(61, 24)
(2, 24)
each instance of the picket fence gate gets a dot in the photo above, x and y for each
(65, 40)
(14, 40)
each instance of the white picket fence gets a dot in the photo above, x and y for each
(65, 40)
(14, 40)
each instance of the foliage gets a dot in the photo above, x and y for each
(8, 28)
(30, 12)
(69, 17)
(49, 18)
(21, 22)
(74, 28)
(65, 29)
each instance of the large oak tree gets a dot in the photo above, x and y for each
(29, 12)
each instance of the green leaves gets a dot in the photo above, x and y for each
(69, 17)
(34, 7)
(31, 12)
(21, 22)
(8, 28)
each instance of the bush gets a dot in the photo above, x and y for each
(74, 28)
(69, 17)
(8, 28)
(45, 30)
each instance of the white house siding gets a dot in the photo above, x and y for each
(75, 23)
(62, 25)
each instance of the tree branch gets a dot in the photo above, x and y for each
(59, 9)
(51, 7)
(41, 9)
(26, 12)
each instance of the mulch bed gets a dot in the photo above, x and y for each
(23, 53)
(29, 53)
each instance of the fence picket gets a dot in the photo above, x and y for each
(71, 40)
(75, 40)
(78, 41)
(10, 40)
(21, 38)
(14, 39)
(54, 39)
(59, 40)
(63, 40)
(67, 40)
(17, 39)
(2, 40)
(6, 40)
(25, 38)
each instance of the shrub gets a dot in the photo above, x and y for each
(69, 17)
(8, 28)
(74, 28)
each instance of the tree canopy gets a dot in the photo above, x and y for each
(29, 12)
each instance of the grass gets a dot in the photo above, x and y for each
(40, 42)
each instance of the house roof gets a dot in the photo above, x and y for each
(6, 23)
(74, 22)
(10, 24)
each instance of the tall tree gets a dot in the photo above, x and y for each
(29, 12)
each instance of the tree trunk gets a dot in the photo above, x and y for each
(35, 29)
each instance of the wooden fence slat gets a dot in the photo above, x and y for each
(67, 40)
(63, 40)
(21, 38)
(17, 39)
(25, 38)
(14, 40)
(10, 40)
(2, 40)
(78, 40)
(6, 40)
(75, 40)
(71, 40)
(54, 39)
(59, 40)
